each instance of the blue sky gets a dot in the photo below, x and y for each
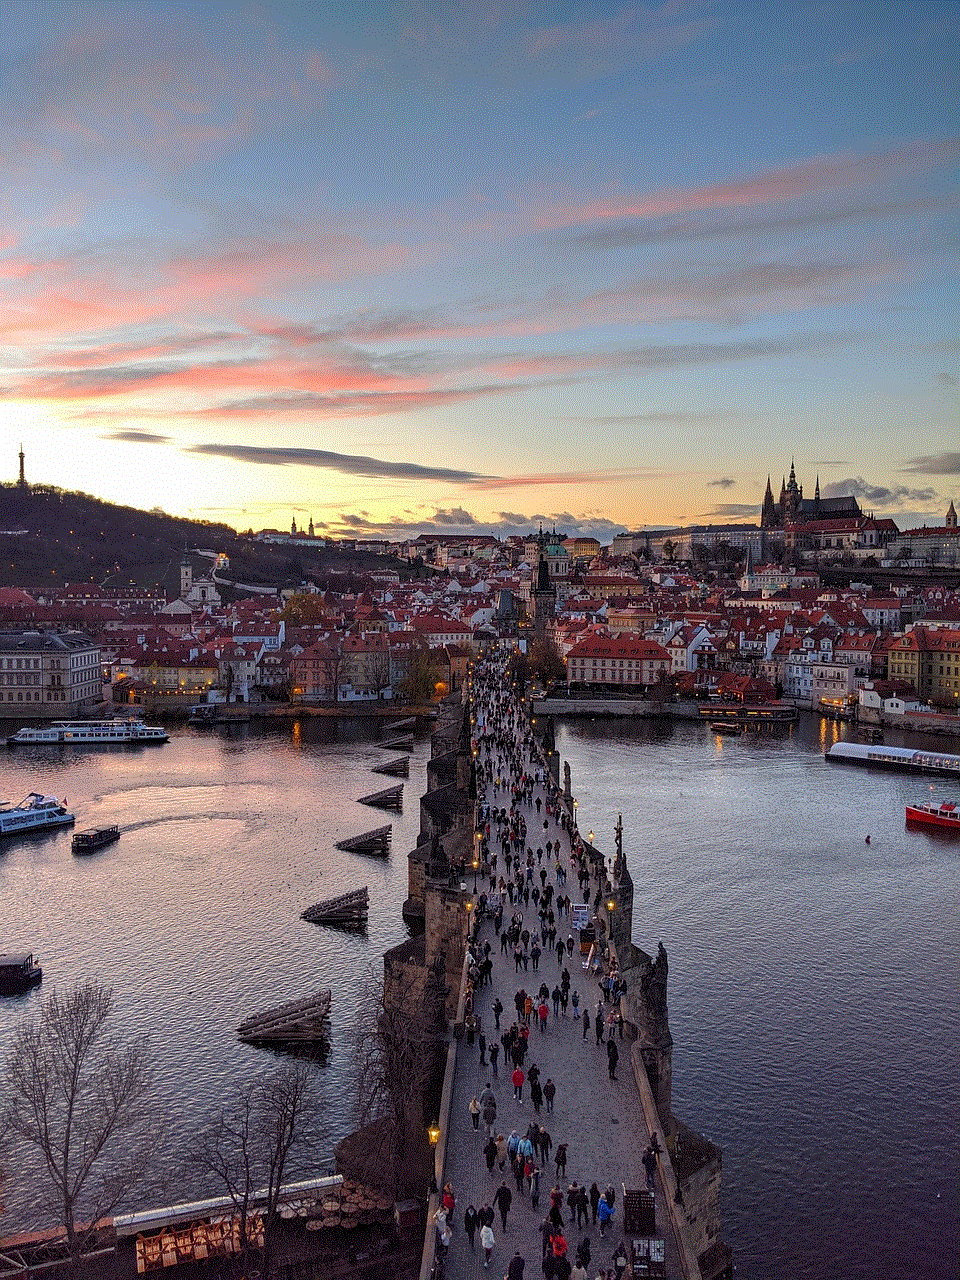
(469, 266)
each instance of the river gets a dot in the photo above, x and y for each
(814, 993)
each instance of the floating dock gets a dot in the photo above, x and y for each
(388, 798)
(375, 842)
(396, 744)
(350, 909)
(409, 723)
(299, 1022)
(399, 768)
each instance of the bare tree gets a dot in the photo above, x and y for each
(247, 1149)
(399, 1039)
(80, 1094)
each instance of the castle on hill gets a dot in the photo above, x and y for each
(792, 508)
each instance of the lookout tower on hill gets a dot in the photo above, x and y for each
(22, 480)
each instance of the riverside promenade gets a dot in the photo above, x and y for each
(600, 1120)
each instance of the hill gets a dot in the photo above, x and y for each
(53, 536)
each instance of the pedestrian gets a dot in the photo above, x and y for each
(560, 1160)
(536, 1095)
(489, 1116)
(650, 1166)
(583, 1208)
(494, 1053)
(501, 1151)
(448, 1200)
(497, 1011)
(549, 1093)
(490, 1153)
(474, 1109)
(470, 1221)
(503, 1199)
(535, 1186)
(620, 1262)
(573, 1193)
(586, 1023)
(546, 1143)
(604, 1214)
(518, 1078)
(487, 1242)
(594, 1200)
(583, 1252)
(515, 1269)
(575, 1001)
(613, 1056)
(482, 1041)
(599, 1027)
(543, 1012)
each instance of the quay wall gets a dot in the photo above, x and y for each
(625, 707)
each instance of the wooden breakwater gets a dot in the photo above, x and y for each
(375, 843)
(346, 909)
(297, 1022)
(388, 798)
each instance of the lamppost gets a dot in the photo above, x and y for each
(476, 868)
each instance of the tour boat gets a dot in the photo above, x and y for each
(33, 814)
(93, 732)
(18, 972)
(94, 838)
(731, 727)
(946, 814)
(903, 758)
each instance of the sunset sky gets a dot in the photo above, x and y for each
(407, 267)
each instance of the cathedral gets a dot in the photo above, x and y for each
(792, 508)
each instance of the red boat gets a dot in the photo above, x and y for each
(936, 815)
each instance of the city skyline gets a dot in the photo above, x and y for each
(417, 268)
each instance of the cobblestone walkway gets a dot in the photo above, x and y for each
(600, 1120)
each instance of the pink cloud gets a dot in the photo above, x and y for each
(771, 186)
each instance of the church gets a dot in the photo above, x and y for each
(792, 508)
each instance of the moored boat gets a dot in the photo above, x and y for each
(88, 733)
(731, 727)
(946, 814)
(19, 971)
(34, 813)
(94, 838)
(902, 758)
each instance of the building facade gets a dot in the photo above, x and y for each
(929, 660)
(621, 662)
(48, 675)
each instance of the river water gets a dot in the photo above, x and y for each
(814, 993)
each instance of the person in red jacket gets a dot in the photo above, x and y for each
(518, 1078)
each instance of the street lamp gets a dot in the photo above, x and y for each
(611, 905)
(433, 1132)
(476, 868)
(590, 837)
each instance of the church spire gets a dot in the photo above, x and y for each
(951, 522)
(768, 512)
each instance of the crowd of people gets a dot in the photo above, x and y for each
(528, 847)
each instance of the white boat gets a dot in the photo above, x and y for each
(904, 758)
(94, 732)
(33, 814)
